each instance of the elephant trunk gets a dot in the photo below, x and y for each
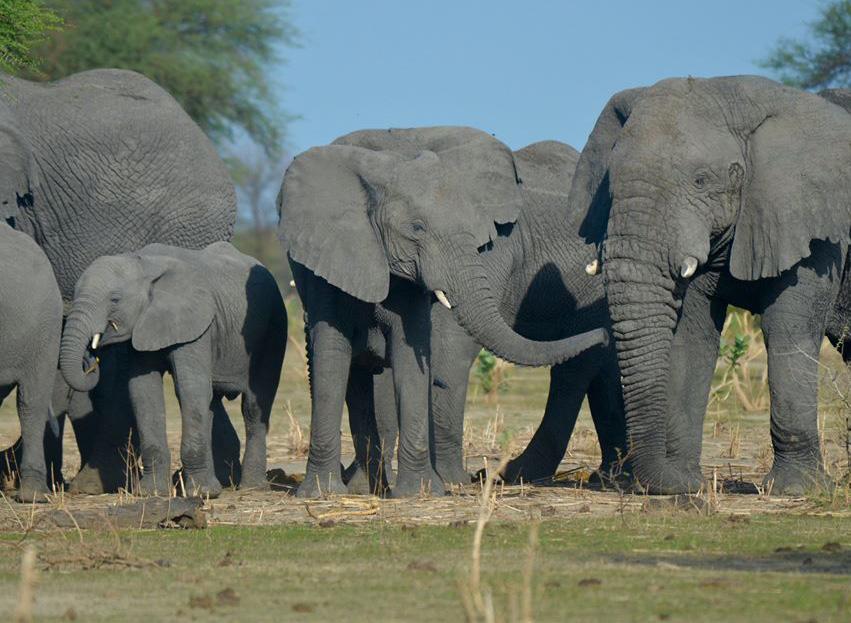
(643, 309)
(78, 365)
(476, 310)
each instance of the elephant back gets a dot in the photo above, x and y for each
(119, 165)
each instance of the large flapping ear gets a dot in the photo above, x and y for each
(324, 206)
(478, 165)
(797, 185)
(546, 167)
(180, 305)
(589, 193)
(17, 172)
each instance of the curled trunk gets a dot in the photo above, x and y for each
(74, 356)
(476, 310)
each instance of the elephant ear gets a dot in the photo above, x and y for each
(477, 164)
(180, 305)
(589, 192)
(798, 187)
(324, 208)
(17, 173)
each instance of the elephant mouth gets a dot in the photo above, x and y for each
(90, 362)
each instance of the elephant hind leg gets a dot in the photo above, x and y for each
(225, 445)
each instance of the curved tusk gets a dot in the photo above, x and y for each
(114, 325)
(441, 296)
(96, 341)
(292, 283)
(689, 267)
(593, 268)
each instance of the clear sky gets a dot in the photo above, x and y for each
(523, 70)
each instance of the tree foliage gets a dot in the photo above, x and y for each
(213, 56)
(823, 62)
(23, 24)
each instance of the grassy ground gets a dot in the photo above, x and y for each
(640, 567)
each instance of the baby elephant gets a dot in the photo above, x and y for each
(214, 319)
(30, 324)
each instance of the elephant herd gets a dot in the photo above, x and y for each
(411, 249)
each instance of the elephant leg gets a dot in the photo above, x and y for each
(146, 395)
(255, 412)
(606, 403)
(386, 419)
(410, 352)
(33, 402)
(191, 367)
(330, 354)
(540, 459)
(108, 465)
(694, 352)
(226, 445)
(453, 352)
(367, 478)
(793, 345)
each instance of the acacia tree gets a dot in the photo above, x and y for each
(23, 24)
(825, 60)
(213, 56)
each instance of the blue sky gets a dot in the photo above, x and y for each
(525, 71)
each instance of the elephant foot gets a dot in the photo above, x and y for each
(414, 484)
(358, 481)
(319, 483)
(104, 473)
(253, 479)
(153, 484)
(527, 471)
(33, 487)
(201, 484)
(796, 479)
(453, 473)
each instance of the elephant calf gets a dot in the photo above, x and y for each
(214, 319)
(31, 318)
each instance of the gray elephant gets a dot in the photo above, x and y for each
(214, 318)
(31, 319)
(537, 269)
(105, 162)
(706, 193)
(375, 225)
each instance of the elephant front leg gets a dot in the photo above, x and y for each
(694, 352)
(33, 404)
(191, 366)
(412, 382)
(330, 354)
(146, 396)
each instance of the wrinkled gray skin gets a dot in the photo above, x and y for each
(31, 314)
(374, 224)
(749, 181)
(537, 268)
(214, 319)
(106, 162)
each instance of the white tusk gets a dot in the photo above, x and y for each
(593, 268)
(441, 296)
(292, 283)
(96, 341)
(689, 267)
(114, 325)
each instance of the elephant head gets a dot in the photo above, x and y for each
(416, 204)
(17, 168)
(737, 173)
(152, 300)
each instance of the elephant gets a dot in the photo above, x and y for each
(31, 317)
(537, 268)
(105, 162)
(213, 318)
(375, 225)
(704, 193)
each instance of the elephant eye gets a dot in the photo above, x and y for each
(700, 181)
(418, 227)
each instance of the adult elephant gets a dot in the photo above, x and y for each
(536, 267)
(104, 162)
(373, 225)
(711, 192)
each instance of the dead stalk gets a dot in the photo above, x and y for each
(26, 592)
(528, 571)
